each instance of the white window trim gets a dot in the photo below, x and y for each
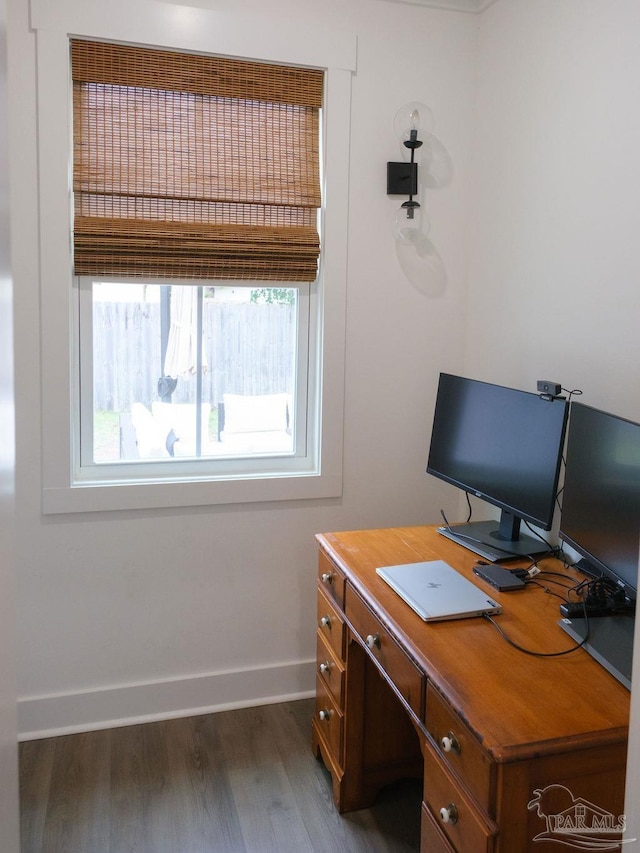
(166, 25)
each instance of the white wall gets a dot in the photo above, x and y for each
(553, 276)
(554, 262)
(124, 615)
(8, 724)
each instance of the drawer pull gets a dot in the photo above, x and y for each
(325, 622)
(324, 667)
(373, 641)
(327, 577)
(449, 814)
(324, 715)
(450, 743)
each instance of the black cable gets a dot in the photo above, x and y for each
(534, 582)
(540, 537)
(520, 648)
(466, 494)
(533, 563)
(575, 393)
(558, 575)
(563, 556)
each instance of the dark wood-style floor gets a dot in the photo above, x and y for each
(234, 782)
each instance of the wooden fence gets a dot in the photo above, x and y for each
(249, 349)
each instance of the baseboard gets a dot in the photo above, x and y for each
(124, 705)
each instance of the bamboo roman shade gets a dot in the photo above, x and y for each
(191, 166)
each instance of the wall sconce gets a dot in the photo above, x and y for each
(410, 223)
(418, 257)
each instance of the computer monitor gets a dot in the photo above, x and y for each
(600, 516)
(600, 520)
(503, 446)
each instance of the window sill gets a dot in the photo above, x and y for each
(241, 490)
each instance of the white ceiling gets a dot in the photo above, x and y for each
(457, 5)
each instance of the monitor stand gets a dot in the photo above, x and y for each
(495, 540)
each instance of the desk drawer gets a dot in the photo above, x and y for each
(407, 678)
(458, 748)
(330, 669)
(331, 624)
(329, 719)
(432, 838)
(331, 579)
(468, 830)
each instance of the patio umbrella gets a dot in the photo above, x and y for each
(181, 358)
(185, 354)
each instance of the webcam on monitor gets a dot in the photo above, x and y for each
(549, 390)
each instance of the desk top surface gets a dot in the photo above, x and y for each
(516, 703)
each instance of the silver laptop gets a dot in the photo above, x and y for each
(436, 591)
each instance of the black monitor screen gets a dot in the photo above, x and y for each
(601, 497)
(500, 444)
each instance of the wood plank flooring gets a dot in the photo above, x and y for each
(241, 781)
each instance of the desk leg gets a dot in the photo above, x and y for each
(322, 751)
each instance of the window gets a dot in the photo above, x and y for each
(76, 475)
(186, 168)
(183, 377)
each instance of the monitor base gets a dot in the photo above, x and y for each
(482, 538)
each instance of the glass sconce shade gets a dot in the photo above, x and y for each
(413, 116)
(410, 224)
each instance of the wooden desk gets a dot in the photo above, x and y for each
(484, 724)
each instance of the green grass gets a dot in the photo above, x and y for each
(106, 436)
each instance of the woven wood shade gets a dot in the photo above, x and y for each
(189, 166)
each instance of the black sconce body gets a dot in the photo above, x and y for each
(402, 179)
